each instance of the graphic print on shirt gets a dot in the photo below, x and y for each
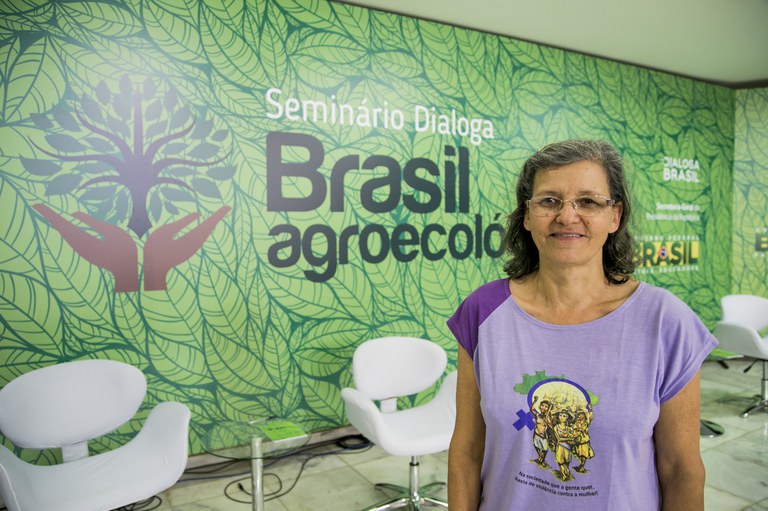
(559, 413)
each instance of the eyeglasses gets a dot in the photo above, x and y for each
(586, 205)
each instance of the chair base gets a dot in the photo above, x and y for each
(761, 403)
(406, 500)
(756, 402)
(414, 498)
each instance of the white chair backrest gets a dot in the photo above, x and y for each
(397, 366)
(747, 310)
(69, 403)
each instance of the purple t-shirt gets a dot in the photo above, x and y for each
(570, 410)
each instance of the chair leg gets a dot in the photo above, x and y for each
(762, 399)
(435, 502)
(390, 504)
(709, 429)
(411, 498)
(394, 488)
(429, 488)
(738, 399)
(760, 405)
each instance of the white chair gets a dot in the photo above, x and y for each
(743, 316)
(390, 367)
(64, 406)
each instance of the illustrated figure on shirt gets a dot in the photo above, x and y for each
(541, 431)
(562, 413)
(565, 436)
(582, 449)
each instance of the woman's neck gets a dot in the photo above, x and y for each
(569, 287)
(569, 295)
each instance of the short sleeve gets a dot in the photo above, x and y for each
(465, 322)
(464, 325)
(687, 343)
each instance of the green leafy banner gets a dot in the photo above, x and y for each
(232, 196)
(750, 193)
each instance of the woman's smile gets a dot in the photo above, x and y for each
(567, 235)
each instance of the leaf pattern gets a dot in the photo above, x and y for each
(228, 53)
(18, 246)
(171, 26)
(101, 18)
(31, 79)
(234, 336)
(34, 318)
(750, 198)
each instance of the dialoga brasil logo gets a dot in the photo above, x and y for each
(681, 169)
(300, 179)
(666, 254)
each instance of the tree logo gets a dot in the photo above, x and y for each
(138, 156)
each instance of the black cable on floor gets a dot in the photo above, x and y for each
(212, 467)
(143, 505)
(353, 442)
(277, 493)
(350, 444)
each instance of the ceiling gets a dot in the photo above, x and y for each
(718, 41)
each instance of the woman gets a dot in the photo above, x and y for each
(571, 326)
(582, 448)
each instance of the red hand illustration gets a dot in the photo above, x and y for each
(162, 252)
(115, 251)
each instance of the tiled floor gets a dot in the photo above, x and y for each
(737, 463)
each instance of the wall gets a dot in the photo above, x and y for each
(171, 200)
(750, 193)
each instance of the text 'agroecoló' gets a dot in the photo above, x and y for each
(415, 186)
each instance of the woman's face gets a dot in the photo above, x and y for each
(567, 238)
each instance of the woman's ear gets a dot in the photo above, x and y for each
(618, 210)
